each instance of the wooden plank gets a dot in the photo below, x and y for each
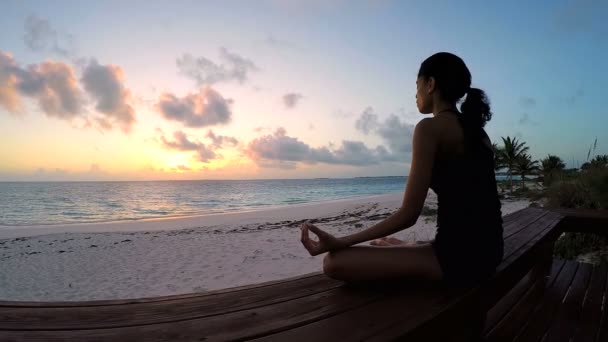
(506, 303)
(550, 220)
(512, 216)
(517, 264)
(24, 318)
(511, 323)
(530, 216)
(276, 283)
(521, 217)
(592, 307)
(603, 330)
(240, 325)
(584, 220)
(350, 325)
(569, 313)
(540, 320)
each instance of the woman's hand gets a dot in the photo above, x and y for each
(326, 243)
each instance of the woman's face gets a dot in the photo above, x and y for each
(424, 100)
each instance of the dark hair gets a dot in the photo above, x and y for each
(453, 80)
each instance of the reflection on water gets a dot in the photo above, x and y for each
(25, 203)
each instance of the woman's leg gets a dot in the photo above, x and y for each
(361, 263)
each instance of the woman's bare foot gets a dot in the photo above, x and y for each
(390, 241)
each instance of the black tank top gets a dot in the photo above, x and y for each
(469, 211)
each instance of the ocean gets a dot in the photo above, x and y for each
(44, 203)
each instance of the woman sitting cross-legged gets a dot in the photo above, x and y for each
(452, 155)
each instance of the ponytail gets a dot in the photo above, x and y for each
(476, 108)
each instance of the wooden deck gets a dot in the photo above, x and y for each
(571, 306)
(314, 307)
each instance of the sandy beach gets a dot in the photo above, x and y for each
(159, 257)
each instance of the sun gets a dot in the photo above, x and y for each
(178, 161)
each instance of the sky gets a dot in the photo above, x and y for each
(159, 90)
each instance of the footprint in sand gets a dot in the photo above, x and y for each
(290, 256)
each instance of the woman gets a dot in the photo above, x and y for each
(452, 155)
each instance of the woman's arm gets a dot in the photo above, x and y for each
(424, 147)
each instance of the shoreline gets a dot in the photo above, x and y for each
(179, 256)
(282, 212)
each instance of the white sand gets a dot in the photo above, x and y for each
(150, 258)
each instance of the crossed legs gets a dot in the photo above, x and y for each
(362, 263)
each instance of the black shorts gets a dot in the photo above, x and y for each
(464, 264)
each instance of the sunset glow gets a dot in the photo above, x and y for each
(279, 89)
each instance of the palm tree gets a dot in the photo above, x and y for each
(498, 157)
(524, 165)
(512, 150)
(550, 166)
(600, 161)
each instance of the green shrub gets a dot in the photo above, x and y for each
(588, 189)
(571, 244)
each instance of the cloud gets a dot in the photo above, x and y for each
(277, 164)
(261, 128)
(218, 141)
(367, 122)
(52, 84)
(9, 94)
(206, 108)
(290, 100)
(105, 84)
(397, 134)
(282, 151)
(182, 143)
(55, 87)
(103, 123)
(206, 72)
(525, 120)
(40, 36)
(528, 102)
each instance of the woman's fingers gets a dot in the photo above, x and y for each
(315, 229)
(304, 235)
(308, 243)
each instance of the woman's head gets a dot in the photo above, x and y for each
(445, 76)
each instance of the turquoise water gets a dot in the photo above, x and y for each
(36, 203)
